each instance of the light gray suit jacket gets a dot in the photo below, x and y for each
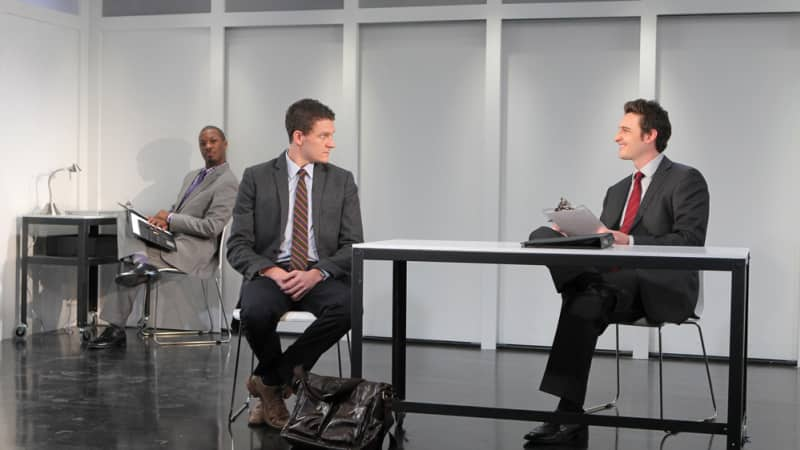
(262, 210)
(198, 222)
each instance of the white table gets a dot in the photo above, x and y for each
(400, 252)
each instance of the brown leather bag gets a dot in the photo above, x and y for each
(340, 413)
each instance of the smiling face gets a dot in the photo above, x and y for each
(314, 146)
(634, 145)
(213, 147)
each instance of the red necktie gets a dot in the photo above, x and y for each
(633, 203)
(299, 259)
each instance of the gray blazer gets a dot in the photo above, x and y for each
(262, 210)
(674, 211)
(198, 223)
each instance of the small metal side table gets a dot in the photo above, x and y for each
(86, 250)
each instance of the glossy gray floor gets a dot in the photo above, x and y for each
(55, 395)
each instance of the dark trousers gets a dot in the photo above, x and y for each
(586, 311)
(263, 304)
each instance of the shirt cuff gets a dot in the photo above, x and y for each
(630, 239)
(169, 218)
(325, 274)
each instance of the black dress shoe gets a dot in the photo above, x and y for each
(558, 434)
(141, 273)
(112, 336)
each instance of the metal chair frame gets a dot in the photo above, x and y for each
(647, 324)
(155, 332)
(291, 316)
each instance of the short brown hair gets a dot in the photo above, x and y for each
(303, 114)
(651, 117)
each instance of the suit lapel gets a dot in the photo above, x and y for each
(282, 186)
(320, 174)
(186, 183)
(617, 203)
(652, 191)
(207, 181)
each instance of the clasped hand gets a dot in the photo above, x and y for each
(296, 283)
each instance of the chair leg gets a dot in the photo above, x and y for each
(231, 418)
(246, 403)
(612, 403)
(660, 377)
(349, 349)
(708, 372)
(339, 357)
(155, 333)
(224, 338)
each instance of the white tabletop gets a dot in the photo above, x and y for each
(726, 253)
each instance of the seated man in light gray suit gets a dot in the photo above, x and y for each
(204, 205)
(295, 220)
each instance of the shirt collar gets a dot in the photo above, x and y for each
(210, 170)
(650, 168)
(292, 168)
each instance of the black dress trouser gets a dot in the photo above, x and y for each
(585, 314)
(263, 304)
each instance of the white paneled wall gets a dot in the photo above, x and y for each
(565, 81)
(421, 140)
(39, 79)
(732, 86)
(418, 108)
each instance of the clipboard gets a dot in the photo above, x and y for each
(575, 222)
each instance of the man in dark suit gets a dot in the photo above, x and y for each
(661, 203)
(295, 220)
(201, 210)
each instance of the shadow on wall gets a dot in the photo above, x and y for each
(162, 165)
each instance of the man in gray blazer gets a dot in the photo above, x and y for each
(203, 207)
(295, 220)
(661, 203)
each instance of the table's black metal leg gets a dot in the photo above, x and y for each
(23, 303)
(357, 312)
(399, 306)
(746, 340)
(83, 276)
(399, 328)
(738, 368)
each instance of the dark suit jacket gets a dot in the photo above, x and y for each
(262, 210)
(199, 221)
(674, 211)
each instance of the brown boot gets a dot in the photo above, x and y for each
(274, 409)
(256, 417)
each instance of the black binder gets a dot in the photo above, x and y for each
(602, 240)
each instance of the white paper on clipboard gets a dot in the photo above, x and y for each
(575, 222)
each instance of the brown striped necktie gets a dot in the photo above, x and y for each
(299, 259)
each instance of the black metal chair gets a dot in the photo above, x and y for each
(694, 321)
